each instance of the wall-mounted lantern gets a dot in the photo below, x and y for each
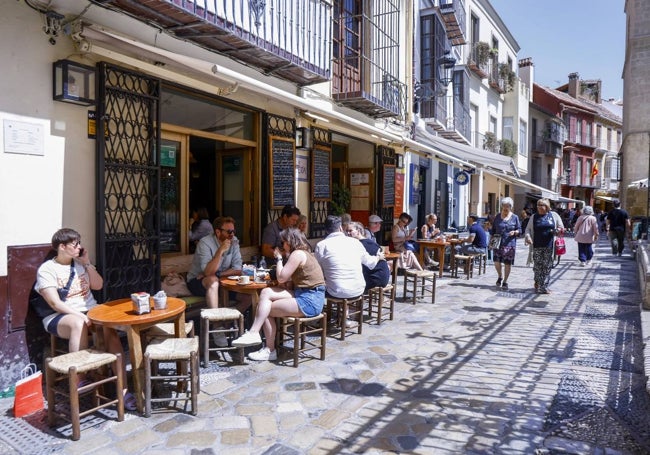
(73, 82)
(445, 68)
(304, 139)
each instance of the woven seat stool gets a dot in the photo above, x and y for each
(425, 280)
(69, 366)
(345, 310)
(466, 261)
(302, 327)
(480, 260)
(217, 317)
(180, 350)
(385, 298)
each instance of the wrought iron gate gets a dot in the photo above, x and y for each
(128, 181)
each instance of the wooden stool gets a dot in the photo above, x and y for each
(180, 350)
(424, 279)
(385, 298)
(69, 366)
(301, 328)
(467, 262)
(218, 316)
(344, 310)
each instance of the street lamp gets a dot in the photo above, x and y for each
(445, 68)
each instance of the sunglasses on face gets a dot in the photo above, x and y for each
(75, 244)
(228, 231)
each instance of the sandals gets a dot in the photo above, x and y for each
(130, 402)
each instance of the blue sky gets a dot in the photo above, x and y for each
(566, 36)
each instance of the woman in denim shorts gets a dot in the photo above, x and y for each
(300, 293)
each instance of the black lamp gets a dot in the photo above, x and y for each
(304, 138)
(73, 82)
(445, 68)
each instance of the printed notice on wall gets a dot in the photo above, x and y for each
(24, 138)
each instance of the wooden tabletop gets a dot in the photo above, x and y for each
(120, 312)
(233, 285)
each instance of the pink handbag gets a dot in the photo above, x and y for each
(560, 246)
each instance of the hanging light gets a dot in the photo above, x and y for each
(445, 67)
(73, 82)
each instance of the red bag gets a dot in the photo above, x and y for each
(560, 246)
(29, 392)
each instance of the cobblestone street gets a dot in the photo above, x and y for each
(482, 371)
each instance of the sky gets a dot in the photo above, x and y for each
(567, 36)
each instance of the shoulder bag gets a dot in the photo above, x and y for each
(38, 303)
(495, 242)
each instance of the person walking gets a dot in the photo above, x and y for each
(506, 224)
(540, 235)
(618, 221)
(586, 233)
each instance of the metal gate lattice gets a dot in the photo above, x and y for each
(129, 182)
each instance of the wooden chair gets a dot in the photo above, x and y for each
(345, 310)
(68, 367)
(423, 281)
(302, 328)
(481, 260)
(385, 298)
(466, 261)
(183, 351)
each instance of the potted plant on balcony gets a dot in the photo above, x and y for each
(490, 142)
(507, 75)
(508, 148)
(481, 53)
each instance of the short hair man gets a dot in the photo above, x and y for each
(271, 235)
(341, 258)
(477, 240)
(616, 223)
(374, 226)
(217, 255)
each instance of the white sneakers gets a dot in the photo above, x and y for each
(220, 340)
(247, 339)
(262, 354)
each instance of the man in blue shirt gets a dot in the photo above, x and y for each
(477, 241)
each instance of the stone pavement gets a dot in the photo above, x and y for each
(482, 371)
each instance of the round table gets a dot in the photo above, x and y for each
(119, 314)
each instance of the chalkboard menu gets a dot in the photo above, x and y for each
(321, 178)
(283, 170)
(388, 184)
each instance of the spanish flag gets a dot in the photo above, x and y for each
(594, 171)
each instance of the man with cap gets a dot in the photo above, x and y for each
(374, 225)
(616, 223)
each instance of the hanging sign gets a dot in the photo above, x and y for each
(461, 177)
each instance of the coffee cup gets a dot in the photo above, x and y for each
(244, 279)
(160, 303)
(386, 249)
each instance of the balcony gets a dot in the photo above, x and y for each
(453, 13)
(289, 39)
(478, 60)
(365, 64)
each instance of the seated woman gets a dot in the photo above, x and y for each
(401, 237)
(429, 231)
(65, 283)
(301, 272)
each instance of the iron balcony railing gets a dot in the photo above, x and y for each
(288, 38)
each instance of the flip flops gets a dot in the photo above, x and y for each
(130, 402)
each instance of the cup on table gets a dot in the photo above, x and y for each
(244, 279)
(386, 249)
(160, 303)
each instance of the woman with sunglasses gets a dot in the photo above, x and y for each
(65, 283)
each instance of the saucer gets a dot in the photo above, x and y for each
(246, 284)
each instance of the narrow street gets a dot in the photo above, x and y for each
(480, 372)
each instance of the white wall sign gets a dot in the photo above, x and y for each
(24, 138)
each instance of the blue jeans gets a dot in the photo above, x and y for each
(585, 252)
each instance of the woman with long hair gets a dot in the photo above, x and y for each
(506, 224)
(302, 296)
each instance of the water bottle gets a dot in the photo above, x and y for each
(262, 263)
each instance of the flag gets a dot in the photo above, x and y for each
(594, 171)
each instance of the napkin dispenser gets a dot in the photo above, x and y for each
(141, 303)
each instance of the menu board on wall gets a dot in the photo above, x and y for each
(399, 194)
(282, 170)
(388, 186)
(321, 177)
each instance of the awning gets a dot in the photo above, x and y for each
(554, 197)
(605, 198)
(482, 158)
(543, 192)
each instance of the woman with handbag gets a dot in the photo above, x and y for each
(65, 283)
(540, 237)
(586, 233)
(503, 240)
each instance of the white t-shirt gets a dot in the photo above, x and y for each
(51, 274)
